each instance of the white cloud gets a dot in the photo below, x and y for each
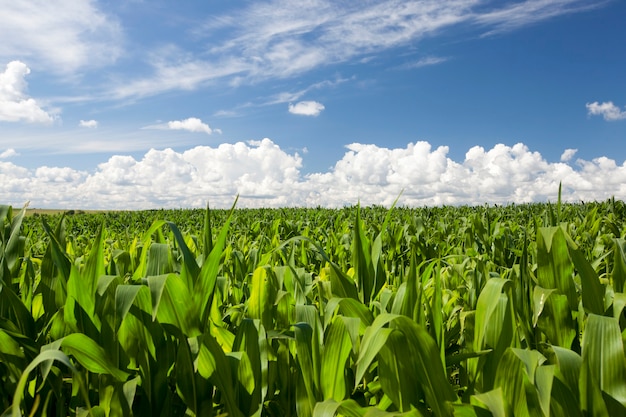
(607, 109)
(286, 97)
(264, 175)
(192, 124)
(424, 62)
(88, 123)
(306, 108)
(518, 14)
(568, 154)
(8, 153)
(15, 105)
(62, 35)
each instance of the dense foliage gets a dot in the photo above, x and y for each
(443, 311)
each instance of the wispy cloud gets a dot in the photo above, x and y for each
(81, 141)
(607, 109)
(63, 36)
(15, 105)
(280, 39)
(423, 62)
(306, 108)
(289, 96)
(515, 15)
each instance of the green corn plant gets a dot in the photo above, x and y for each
(442, 311)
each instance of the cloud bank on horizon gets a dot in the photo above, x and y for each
(264, 175)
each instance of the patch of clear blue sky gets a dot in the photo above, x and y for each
(527, 85)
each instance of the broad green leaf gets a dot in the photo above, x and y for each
(397, 377)
(124, 298)
(603, 361)
(348, 307)
(80, 304)
(556, 321)
(45, 356)
(245, 378)
(487, 303)
(516, 378)
(94, 269)
(619, 303)
(249, 340)
(430, 371)
(9, 301)
(592, 289)
(568, 365)
(422, 359)
(175, 305)
(337, 348)
(544, 381)
(351, 408)
(141, 266)
(158, 262)
(373, 340)
(9, 346)
(91, 356)
(564, 402)
(540, 296)
(619, 265)
(156, 285)
(493, 401)
(15, 239)
(213, 365)
(554, 267)
(186, 378)
(308, 358)
(262, 296)
(326, 408)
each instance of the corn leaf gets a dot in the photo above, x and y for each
(603, 363)
(337, 348)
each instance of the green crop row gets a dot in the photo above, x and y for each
(444, 311)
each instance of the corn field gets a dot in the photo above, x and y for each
(445, 311)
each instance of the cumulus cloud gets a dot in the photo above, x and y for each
(607, 109)
(306, 108)
(15, 105)
(264, 175)
(61, 36)
(88, 123)
(568, 154)
(192, 124)
(8, 153)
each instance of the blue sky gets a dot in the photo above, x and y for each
(136, 104)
